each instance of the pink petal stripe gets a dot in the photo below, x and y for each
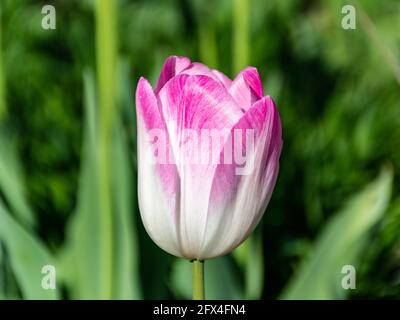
(147, 106)
(246, 89)
(263, 118)
(238, 202)
(148, 113)
(198, 102)
(172, 66)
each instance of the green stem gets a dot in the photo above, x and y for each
(198, 280)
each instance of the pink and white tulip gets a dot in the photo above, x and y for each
(204, 209)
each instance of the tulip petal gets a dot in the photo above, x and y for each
(147, 106)
(172, 67)
(196, 102)
(149, 114)
(222, 78)
(230, 220)
(197, 68)
(155, 179)
(247, 88)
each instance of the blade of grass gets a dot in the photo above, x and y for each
(106, 49)
(81, 259)
(254, 276)
(2, 274)
(84, 232)
(127, 284)
(27, 256)
(372, 33)
(10, 174)
(11, 183)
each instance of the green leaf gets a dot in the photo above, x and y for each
(27, 256)
(221, 280)
(250, 257)
(127, 284)
(341, 243)
(81, 259)
(254, 270)
(11, 182)
(125, 251)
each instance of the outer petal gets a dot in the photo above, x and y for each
(232, 219)
(196, 103)
(247, 88)
(158, 184)
(172, 66)
(175, 65)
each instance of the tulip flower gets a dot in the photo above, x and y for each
(208, 158)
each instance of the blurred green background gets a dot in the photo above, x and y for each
(68, 146)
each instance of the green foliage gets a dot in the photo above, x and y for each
(68, 146)
(81, 260)
(12, 184)
(320, 275)
(27, 257)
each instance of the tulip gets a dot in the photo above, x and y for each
(197, 200)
